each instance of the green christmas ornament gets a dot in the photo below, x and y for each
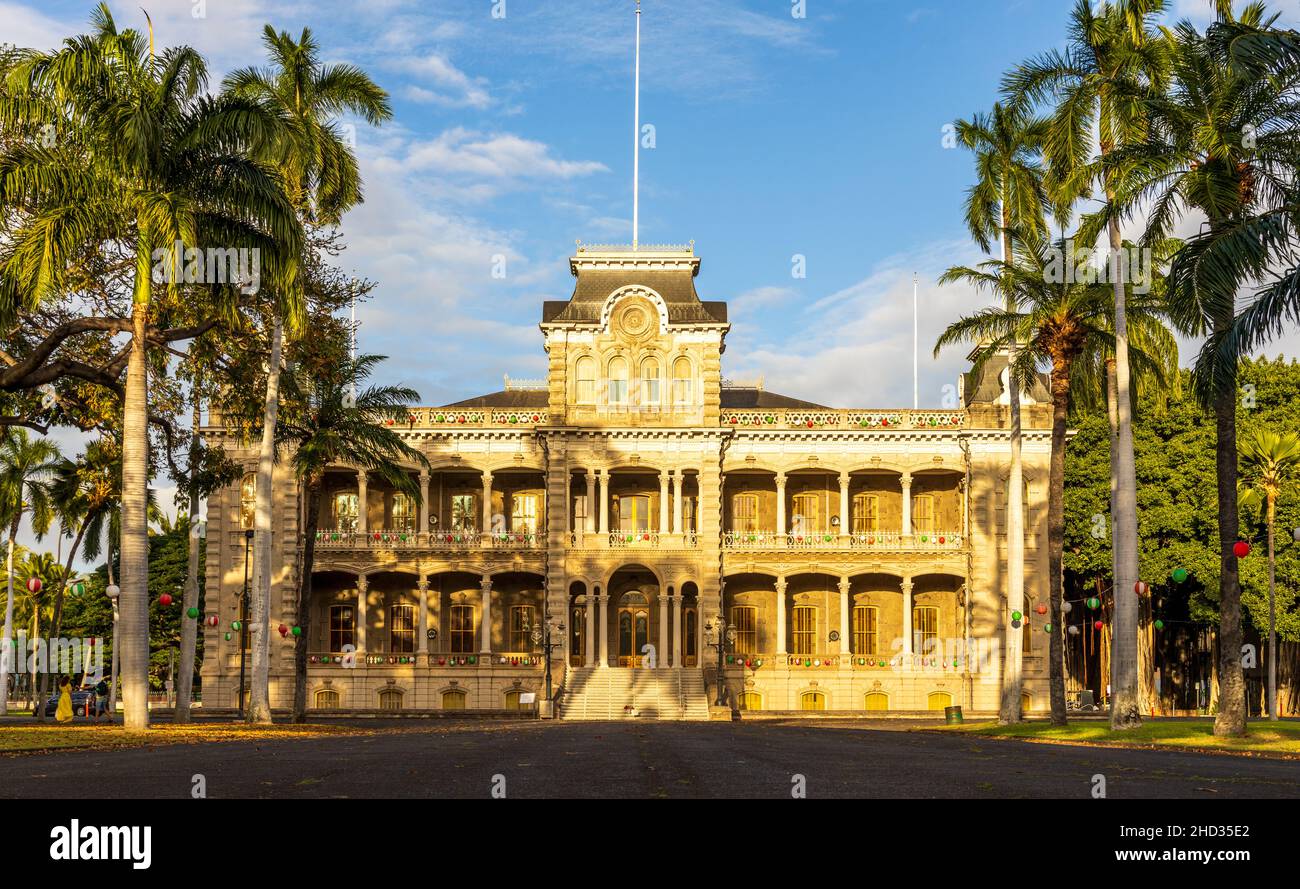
(297, 631)
(1160, 625)
(227, 637)
(1179, 575)
(1016, 615)
(1047, 628)
(1093, 602)
(192, 613)
(234, 625)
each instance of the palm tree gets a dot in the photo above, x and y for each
(321, 174)
(1060, 324)
(331, 427)
(1269, 458)
(1113, 58)
(26, 466)
(1227, 144)
(144, 159)
(1009, 193)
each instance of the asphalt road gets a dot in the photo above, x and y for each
(471, 759)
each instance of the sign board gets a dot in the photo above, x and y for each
(528, 697)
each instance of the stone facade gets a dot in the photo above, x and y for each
(635, 502)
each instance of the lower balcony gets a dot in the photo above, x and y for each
(428, 540)
(878, 541)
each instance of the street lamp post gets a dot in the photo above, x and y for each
(718, 637)
(243, 620)
(543, 638)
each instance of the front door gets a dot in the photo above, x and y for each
(578, 637)
(633, 634)
(690, 638)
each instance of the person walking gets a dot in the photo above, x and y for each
(64, 711)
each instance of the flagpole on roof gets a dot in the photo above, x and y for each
(916, 378)
(636, 133)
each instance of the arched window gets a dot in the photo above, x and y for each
(650, 381)
(461, 629)
(618, 381)
(248, 501)
(683, 382)
(512, 700)
(464, 512)
(585, 372)
(345, 512)
(925, 629)
(937, 700)
(633, 512)
(923, 514)
(877, 701)
(327, 699)
(390, 699)
(812, 700)
(865, 634)
(453, 699)
(403, 513)
(745, 619)
(744, 512)
(523, 513)
(401, 629)
(804, 624)
(866, 513)
(751, 700)
(342, 627)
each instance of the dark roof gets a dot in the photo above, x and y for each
(594, 286)
(508, 398)
(760, 398)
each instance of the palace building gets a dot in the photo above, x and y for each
(648, 511)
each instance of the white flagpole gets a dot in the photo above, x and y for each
(636, 135)
(352, 348)
(916, 378)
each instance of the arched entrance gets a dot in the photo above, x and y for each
(634, 616)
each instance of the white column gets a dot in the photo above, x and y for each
(363, 593)
(592, 481)
(678, 479)
(422, 627)
(485, 620)
(362, 495)
(604, 504)
(487, 503)
(603, 628)
(846, 524)
(906, 482)
(780, 615)
(661, 656)
(907, 615)
(423, 527)
(846, 641)
(589, 656)
(780, 507)
(663, 502)
(677, 630)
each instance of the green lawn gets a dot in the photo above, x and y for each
(32, 738)
(1280, 739)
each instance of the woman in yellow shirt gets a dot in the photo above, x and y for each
(64, 711)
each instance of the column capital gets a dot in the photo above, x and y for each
(780, 584)
(845, 584)
(907, 584)
(485, 583)
(363, 582)
(424, 474)
(422, 584)
(844, 478)
(905, 479)
(780, 479)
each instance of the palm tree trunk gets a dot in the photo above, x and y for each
(1056, 537)
(303, 643)
(1009, 707)
(133, 604)
(259, 704)
(7, 655)
(1125, 707)
(190, 599)
(1272, 615)
(1231, 718)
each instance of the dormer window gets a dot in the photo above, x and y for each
(683, 382)
(618, 381)
(585, 371)
(650, 381)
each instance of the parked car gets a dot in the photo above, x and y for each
(82, 699)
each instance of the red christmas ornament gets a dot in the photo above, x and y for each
(1098, 625)
(284, 631)
(1241, 549)
(1041, 609)
(1141, 588)
(213, 620)
(33, 584)
(165, 599)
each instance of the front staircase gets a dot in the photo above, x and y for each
(632, 693)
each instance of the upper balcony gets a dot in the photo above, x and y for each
(792, 418)
(871, 541)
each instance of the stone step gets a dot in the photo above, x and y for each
(618, 693)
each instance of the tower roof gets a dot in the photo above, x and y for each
(602, 270)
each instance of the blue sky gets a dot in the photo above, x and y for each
(776, 136)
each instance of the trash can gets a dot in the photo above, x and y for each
(952, 715)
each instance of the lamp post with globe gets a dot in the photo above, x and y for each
(543, 638)
(719, 637)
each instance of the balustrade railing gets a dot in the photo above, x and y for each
(843, 419)
(463, 539)
(828, 540)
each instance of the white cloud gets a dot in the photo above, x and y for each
(496, 156)
(454, 88)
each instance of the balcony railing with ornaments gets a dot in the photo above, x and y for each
(843, 419)
(896, 661)
(882, 541)
(428, 540)
(463, 418)
(374, 658)
(632, 540)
